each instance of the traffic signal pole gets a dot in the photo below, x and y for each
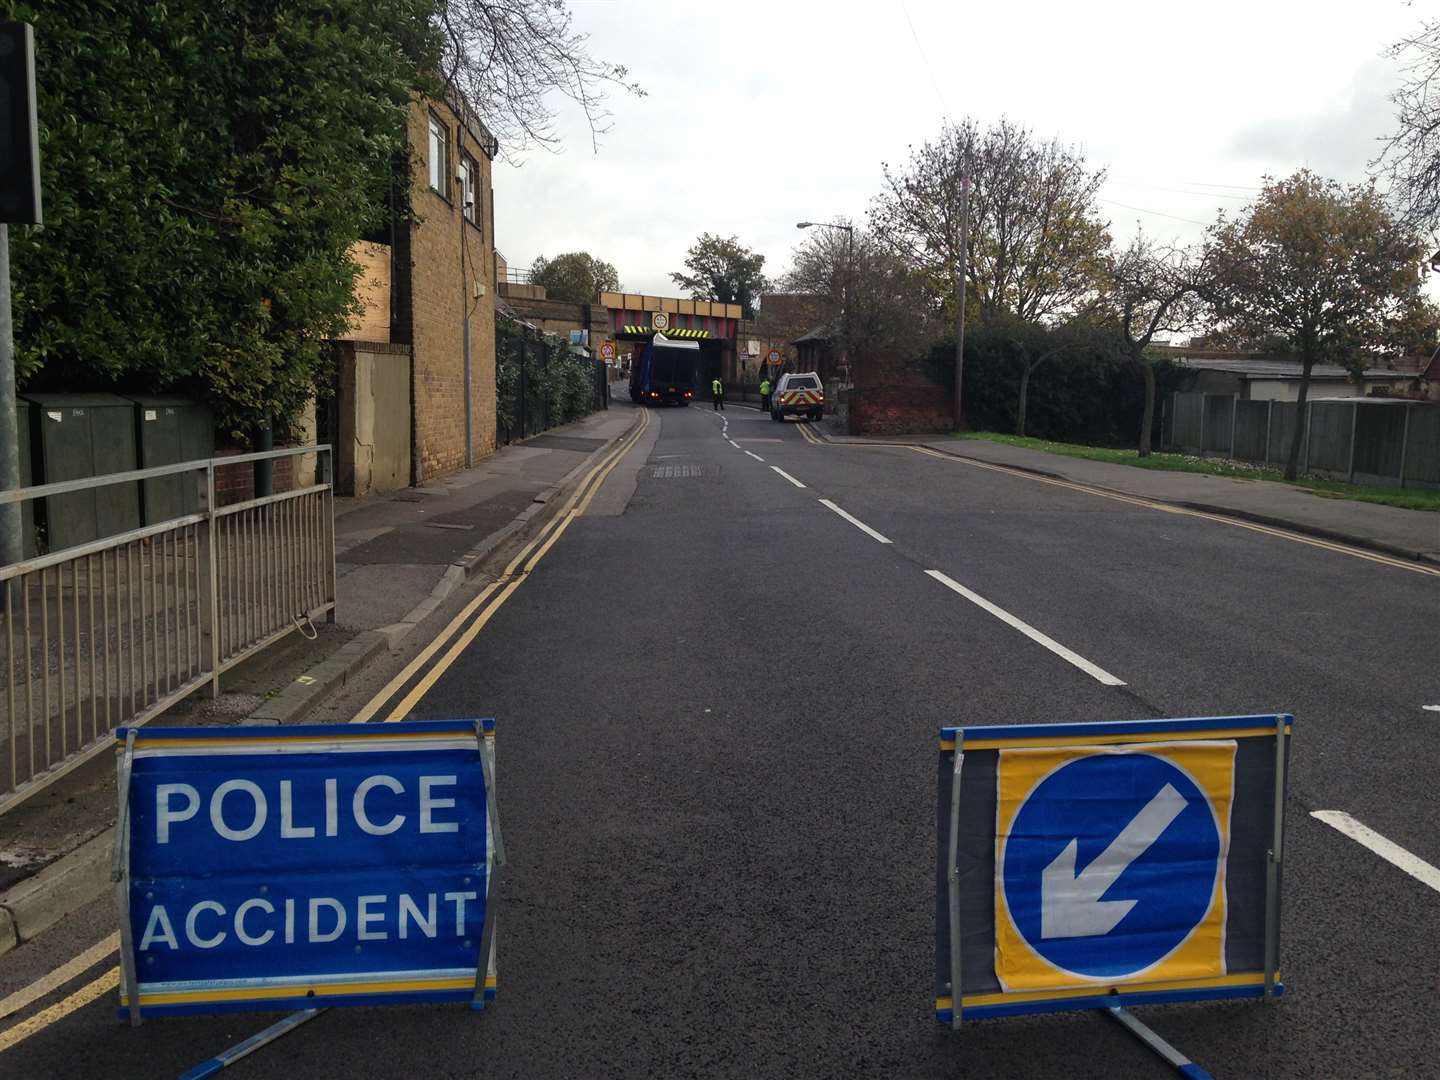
(19, 205)
(10, 540)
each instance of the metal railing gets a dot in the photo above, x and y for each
(116, 631)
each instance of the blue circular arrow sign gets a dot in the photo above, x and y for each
(1111, 863)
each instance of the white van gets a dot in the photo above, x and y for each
(799, 393)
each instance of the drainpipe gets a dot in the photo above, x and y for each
(465, 334)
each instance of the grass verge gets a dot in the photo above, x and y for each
(1407, 498)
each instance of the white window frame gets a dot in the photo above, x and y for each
(439, 156)
(470, 188)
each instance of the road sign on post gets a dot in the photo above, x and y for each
(1099, 865)
(19, 129)
(306, 866)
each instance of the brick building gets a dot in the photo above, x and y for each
(443, 266)
(436, 268)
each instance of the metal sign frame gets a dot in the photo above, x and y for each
(963, 851)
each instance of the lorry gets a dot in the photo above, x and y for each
(665, 370)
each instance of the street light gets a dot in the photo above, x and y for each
(849, 231)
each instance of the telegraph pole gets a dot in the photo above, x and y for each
(960, 294)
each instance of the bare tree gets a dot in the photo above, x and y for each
(924, 214)
(1411, 157)
(1150, 289)
(889, 313)
(1033, 237)
(507, 57)
(1036, 238)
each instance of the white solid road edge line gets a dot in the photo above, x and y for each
(853, 520)
(756, 456)
(733, 443)
(1093, 670)
(1388, 850)
(787, 476)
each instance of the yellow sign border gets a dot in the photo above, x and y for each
(1019, 967)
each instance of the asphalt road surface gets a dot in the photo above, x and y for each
(717, 699)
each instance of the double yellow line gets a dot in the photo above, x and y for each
(810, 436)
(496, 593)
(479, 611)
(1167, 508)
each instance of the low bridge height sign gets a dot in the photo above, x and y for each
(306, 866)
(1102, 865)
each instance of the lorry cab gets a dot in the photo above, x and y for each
(799, 393)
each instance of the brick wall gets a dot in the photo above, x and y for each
(236, 483)
(900, 410)
(556, 316)
(434, 296)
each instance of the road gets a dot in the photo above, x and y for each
(717, 699)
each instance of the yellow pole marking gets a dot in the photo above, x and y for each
(61, 1009)
(59, 977)
(372, 706)
(1166, 508)
(421, 688)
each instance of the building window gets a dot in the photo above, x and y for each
(439, 147)
(469, 188)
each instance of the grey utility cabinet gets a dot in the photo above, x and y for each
(80, 436)
(169, 430)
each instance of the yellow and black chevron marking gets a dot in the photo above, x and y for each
(801, 397)
(669, 331)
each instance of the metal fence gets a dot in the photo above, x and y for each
(117, 630)
(1366, 440)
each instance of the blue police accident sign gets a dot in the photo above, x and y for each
(306, 866)
(1094, 865)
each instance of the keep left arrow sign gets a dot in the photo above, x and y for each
(1071, 904)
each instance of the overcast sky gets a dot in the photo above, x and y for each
(759, 115)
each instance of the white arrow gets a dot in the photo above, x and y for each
(1070, 904)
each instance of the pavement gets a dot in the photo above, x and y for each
(398, 556)
(717, 699)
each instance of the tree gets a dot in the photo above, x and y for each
(1411, 157)
(1414, 330)
(1033, 237)
(724, 271)
(889, 312)
(576, 277)
(1033, 344)
(207, 168)
(507, 57)
(1325, 265)
(1149, 290)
